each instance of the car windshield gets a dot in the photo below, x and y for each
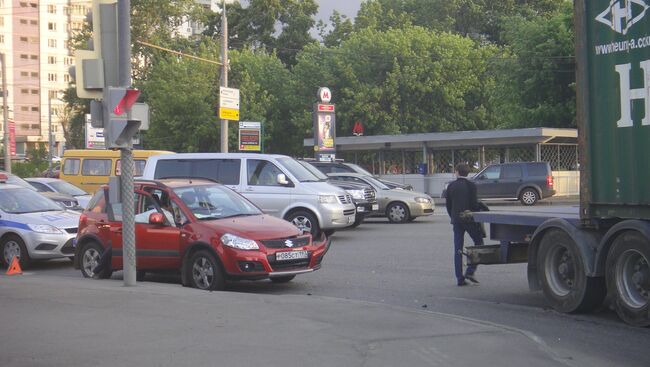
(359, 169)
(67, 188)
(299, 171)
(375, 182)
(314, 170)
(22, 200)
(215, 202)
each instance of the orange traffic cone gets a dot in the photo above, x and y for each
(14, 268)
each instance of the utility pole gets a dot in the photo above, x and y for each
(224, 72)
(126, 154)
(5, 114)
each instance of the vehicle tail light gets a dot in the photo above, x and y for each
(549, 181)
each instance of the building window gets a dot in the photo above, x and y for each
(24, 73)
(23, 4)
(51, 43)
(24, 126)
(33, 40)
(36, 126)
(2, 38)
(33, 5)
(33, 57)
(23, 21)
(66, 78)
(51, 77)
(51, 26)
(23, 39)
(34, 74)
(24, 91)
(52, 94)
(51, 59)
(67, 61)
(24, 108)
(33, 22)
(34, 91)
(24, 56)
(34, 108)
(51, 9)
(66, 44)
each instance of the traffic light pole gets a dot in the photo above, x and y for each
(224, 72)
(126, 154)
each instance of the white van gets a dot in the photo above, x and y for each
(278, 184)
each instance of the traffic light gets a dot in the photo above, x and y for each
(120, 124)
(98, 67)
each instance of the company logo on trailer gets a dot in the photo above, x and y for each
(621, 15)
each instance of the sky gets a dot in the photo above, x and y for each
(347, 7)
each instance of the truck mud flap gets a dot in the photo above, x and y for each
(497, 254)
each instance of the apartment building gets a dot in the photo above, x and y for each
(34, 37)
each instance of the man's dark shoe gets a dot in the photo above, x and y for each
(462, 283)
(471, 278)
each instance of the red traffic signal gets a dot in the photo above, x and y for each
(127, 101)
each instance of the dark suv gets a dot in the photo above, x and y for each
(526, 181)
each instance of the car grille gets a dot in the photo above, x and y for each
(369, 194)
(288, 265)
(345, 199)
(283, 243)
(349, 212)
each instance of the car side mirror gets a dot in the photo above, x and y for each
(282, 180)
(157, 219)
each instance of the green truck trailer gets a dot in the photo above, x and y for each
(600, 252)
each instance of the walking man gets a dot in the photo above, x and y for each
(461, 196)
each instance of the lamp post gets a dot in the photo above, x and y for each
(50, 140)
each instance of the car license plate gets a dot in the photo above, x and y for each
(375, 206)
(291, 255)
(361, 209)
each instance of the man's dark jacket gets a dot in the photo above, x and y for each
(461, 196)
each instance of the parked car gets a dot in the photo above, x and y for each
(527, 182)
(45, 185)
(277, 184)
(363, 196)
(64, 200)
(204, 229)
(398, 206)
(33, 227)
(343, 167)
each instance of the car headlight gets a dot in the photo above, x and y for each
(422, 200)
(44, 228)
(327, 199)
(357, 194)
(239, 243)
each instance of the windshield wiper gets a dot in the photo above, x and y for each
(239, 215)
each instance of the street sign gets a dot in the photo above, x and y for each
(250, 137)
(228, 114)
(228, 103)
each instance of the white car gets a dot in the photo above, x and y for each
(33, 227)
(46, 184)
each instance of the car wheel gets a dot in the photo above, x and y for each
(139, 275)
(397, 213)
(284, 279)
(529, 196)
(205, 272)
(14, 246)
(305, 221)
(91, 258)
(628, 278)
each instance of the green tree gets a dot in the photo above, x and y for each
(401, 81)
(341, 28)
(538, 82)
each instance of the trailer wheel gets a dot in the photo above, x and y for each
(628, 277)
(563, 278)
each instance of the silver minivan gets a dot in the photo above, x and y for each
(277, 184)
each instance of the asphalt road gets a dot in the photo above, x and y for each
(411, 265)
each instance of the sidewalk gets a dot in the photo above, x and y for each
(83, 322)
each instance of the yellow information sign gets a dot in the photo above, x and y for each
(229, 114)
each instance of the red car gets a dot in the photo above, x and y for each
(204, 229)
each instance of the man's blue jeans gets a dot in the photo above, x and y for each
(474, 232)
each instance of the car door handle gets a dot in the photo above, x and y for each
(249, 188)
